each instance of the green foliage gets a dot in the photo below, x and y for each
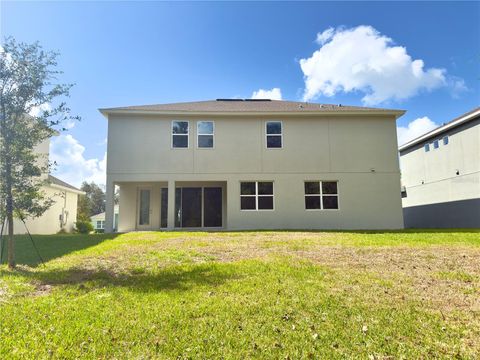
(92, 203)
(233, 295)
(29, 113)
(83, 227)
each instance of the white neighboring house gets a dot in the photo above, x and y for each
(98, 220)
(62, 214)
(441, 175)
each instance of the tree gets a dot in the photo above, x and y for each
(31, 111)
(92, 203)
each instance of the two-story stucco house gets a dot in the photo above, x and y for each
(253, 164)
(441, 175)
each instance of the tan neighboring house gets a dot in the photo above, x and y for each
(62, 214)
(441, 175)
(98, 221)
(253, 164)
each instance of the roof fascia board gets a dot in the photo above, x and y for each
(440, 129)
(64, 188)
(396, 113)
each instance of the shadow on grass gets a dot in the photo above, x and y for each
(50, 246)
(176, 278)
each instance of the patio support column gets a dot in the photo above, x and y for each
(109, 204)
(171, 205)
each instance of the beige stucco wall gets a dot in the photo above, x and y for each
(358, 151)
(49, 222)
(437, 168)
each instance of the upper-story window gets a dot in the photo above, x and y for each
(427, 147)
(435, 144)
(180, 131)
(445, 140)
(205, 133)
(274, 134)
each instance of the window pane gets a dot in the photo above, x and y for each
(178, 207)
(312, 187)
(180, 127)
(205, 127)
(164, 207)
(330, 202)
(274, 127)
(274, 141)
(205, 141)
(435, 144)
(265, 188)
(247, 188)
(247, 202)
(180, 141)
(445, 140)
(329, 187)
(312, 202)
(265, 202)
(144, 216)
(427, 147)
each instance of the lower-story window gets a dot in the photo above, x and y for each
(321, 195)
(256, 195)
(100, 224)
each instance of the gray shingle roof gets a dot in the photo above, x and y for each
(57, 181)
(247, 105)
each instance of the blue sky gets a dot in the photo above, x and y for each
(127, 53)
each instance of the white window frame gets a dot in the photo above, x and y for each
(267, 135)
(256, 195)
(321, 195)
(187, 135)
(212, 134)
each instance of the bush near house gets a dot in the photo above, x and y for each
(262, 295)
(83, 227)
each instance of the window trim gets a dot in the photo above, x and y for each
(267, 135)
(187, 135)
(321, 195)
(256, 195)
(212, 134)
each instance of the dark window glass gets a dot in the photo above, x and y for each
(164, 208)
(274, 141)
(180, 127)
(265, 188)
(427, 147)
(178, 207)
(144, 218)
(445, 140)
(329, 187)
(247, 203)
(191, 207)
(205, 141)
(435, 144)
(274, 127)
(247, 188)
(205, 127)
(180, 141)
(212, 207)
(330, 202)
(265, 202)
(312, 202)
(312, 187)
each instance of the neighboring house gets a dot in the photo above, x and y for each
(98, 220)
(441, 175)
(62, 214)
(253, 164)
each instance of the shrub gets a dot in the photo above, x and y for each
(83, 227)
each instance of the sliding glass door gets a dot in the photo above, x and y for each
(197, 207)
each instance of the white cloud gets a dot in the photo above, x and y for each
(457, 86)
(362, 59)
(36, 110)
(273, 94)
(415, 129)
(72, 166)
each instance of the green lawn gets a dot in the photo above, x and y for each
(272, 295)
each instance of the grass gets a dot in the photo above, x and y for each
(266, 295)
